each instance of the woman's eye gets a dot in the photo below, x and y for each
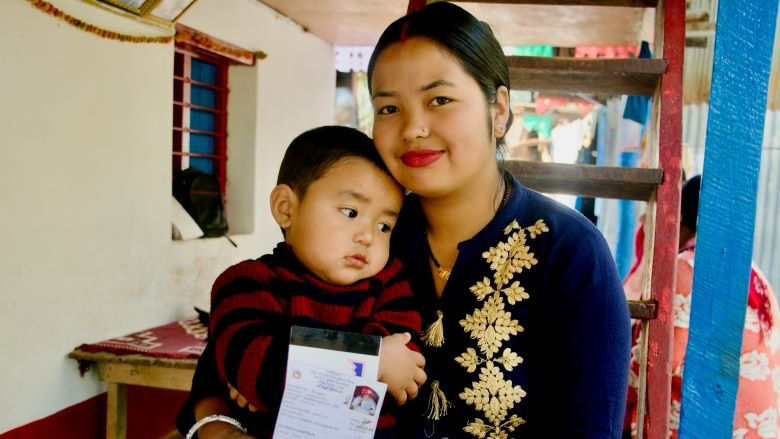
(349, 212)
(384, 228)
(440, 100)
(387, 109)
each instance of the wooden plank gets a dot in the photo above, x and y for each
(727, 210)
(140, 375)
(696, 42)
(647, 273)
(586, 75)
(642, 309)
(142, 360)
(116, 411)
(620, 3)
(666, 230)
(586, 180)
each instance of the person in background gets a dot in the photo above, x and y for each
(759, 374)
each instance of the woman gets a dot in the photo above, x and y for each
(528, 328)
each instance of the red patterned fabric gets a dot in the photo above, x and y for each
(177, 340)
(758, 396)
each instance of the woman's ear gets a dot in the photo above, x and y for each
(500, 111)
(284, 202)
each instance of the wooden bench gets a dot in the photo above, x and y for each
(163, 357)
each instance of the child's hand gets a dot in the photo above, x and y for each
(400, 367)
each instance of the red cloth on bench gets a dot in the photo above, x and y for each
(177, 340)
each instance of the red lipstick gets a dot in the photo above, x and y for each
(418, 158)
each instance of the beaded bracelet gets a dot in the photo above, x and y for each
(214, 418)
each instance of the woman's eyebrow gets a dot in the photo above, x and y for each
(426, 87)
(383, 94)
(437, 83)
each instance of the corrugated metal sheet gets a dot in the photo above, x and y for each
(698, 63)
(766, 244)
(697, 70)
(774, 81)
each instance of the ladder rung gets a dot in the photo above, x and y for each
(623, 3)
(586, 75)
(642, 309)
(587, 180)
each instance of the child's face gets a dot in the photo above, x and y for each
(340, 229)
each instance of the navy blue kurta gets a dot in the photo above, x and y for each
(535, 324)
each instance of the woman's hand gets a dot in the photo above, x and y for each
(240, 400)
(221, 430)
(216, 430)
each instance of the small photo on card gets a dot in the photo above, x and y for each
(364, 400)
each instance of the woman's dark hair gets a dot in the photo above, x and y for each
(311, 154)
(461, 34)
(689, 202)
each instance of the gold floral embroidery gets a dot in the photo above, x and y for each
(479, 429)
(538, 228)
(509, 359)
(469, 359)
(510, 258)
(492, 394)
(491, 326)
(515, 293)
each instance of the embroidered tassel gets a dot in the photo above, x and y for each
(434, 333)
(437, 403)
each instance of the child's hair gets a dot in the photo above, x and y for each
(469, 40)
(312, 153)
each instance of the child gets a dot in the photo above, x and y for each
(336, 205)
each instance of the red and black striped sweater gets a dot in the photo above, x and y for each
(254, 303)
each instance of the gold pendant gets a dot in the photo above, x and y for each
(444, 273)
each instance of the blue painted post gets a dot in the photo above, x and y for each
(743, 52)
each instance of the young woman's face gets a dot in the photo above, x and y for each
(433, 126)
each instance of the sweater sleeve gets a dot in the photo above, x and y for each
(249, 332)
(395, 309)
(593, 339)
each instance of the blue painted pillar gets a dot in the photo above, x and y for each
(743, 52)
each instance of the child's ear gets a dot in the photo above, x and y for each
(284, 202)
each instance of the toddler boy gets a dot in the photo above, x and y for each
(337, 205)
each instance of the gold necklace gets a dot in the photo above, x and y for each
(444, 273)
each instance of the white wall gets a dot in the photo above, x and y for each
(85, 184)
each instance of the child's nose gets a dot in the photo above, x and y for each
(365, 235)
